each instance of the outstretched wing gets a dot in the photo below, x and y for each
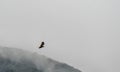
(42, 43)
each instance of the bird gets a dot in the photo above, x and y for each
(42, 45)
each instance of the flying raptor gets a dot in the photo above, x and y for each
(42, 45)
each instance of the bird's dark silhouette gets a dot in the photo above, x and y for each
(42, 45)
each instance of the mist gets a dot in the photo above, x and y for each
(17, 60)
(82, 33)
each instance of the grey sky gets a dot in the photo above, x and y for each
(84, 34)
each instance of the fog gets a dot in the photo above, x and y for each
(84, 34)
(17, 60)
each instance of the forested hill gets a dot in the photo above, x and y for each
(16, 60)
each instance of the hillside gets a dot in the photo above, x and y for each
(17, 60)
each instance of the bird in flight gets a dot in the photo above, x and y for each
(42, 45)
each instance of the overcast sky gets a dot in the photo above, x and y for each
(82, 33)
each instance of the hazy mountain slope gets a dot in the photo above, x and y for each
(16, 60)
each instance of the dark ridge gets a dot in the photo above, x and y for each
(16, 60)
(6, 65)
